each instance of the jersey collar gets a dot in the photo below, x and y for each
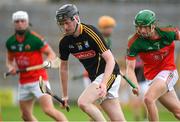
(21, 38)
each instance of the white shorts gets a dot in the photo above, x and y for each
(143, 87)
(170, 77)
(114, 87)
(30, 90)
(86, 81)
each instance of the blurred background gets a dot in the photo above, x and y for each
(42, 17)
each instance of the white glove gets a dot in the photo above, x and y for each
(47, 64)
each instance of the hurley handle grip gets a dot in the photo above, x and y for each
(129, 81)
(62, 102)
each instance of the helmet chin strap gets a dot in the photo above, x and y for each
(77, 23)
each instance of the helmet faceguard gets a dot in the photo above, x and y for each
(68, 11)
(148, 31)
(145, 18)
(20, 16)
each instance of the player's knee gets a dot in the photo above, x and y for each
(148, 100)
(48, 110)
(82, 104)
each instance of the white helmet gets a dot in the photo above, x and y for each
(20, 15)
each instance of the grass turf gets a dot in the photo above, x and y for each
(13, 114)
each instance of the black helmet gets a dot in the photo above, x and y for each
(66, 11)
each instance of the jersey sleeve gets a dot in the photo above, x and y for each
(63, 50)
(7, 45)
(41, 43)
(177, 37)
(98, 40)
(132, 52)
(173, 33)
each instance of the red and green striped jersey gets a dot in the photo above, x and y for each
(157, 55)
(27, 51)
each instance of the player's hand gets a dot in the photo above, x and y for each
(12, 70)
(136, 90)
(103, 89)
(47, 64)
(65, 99)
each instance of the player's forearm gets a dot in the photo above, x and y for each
(131, 75)
(64, 80)
(9, 62)
(130, 71)
(50, 53)
(110, 63)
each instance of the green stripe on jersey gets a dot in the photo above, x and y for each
(145, 45)
(31, 43)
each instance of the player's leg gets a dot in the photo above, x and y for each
(171, 102)
(48, 107)
(144, 87)
(170, 99)
(86, 100)
(136, 102)
(26, 102)
(113, 109)
(47, 103)
(136, 107)
(157, 89)
(111, 104)
(26, 107)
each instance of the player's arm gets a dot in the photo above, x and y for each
(10, 63)
(178, 35)
(130, 70)
(132, 52)
(130, 73)
(64, 55)
(102, 48)
(64, 78)
(110, 63)
(44, 47)
(48, 51)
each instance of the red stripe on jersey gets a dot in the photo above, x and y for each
(168, 29)
(173, 29)
(44, 48)
(10, 55)
(132, 39)
(37, 35)
(130, 58)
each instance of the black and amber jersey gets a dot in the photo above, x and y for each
(87, 47)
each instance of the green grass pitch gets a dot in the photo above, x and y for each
(75, 114)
